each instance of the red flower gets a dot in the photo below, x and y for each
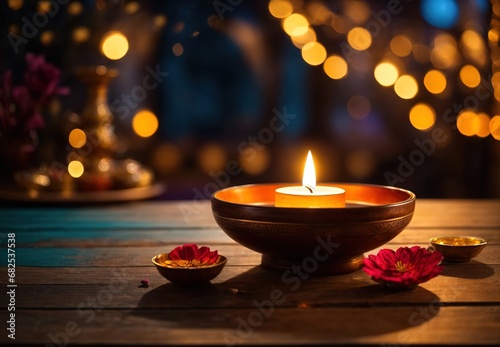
(406, 267)
(189, 255)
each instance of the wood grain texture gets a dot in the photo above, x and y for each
(83, 266)
(421, 325)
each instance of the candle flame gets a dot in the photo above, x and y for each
(309, 176)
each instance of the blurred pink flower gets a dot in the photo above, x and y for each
(21, 105)
(405, 267)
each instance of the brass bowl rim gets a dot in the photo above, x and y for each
(220, 262)
(411, 197)
(433, 242)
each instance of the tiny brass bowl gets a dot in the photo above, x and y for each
(188, 275)
(458, 248)
(328, 240)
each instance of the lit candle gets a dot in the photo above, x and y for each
(309, 195)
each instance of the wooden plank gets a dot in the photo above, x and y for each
(459, 284)
(457, 213)
(157, 237)
(427, 324)
(141, 256)
(137, 215)
(191, 214)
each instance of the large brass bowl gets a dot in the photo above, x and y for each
(320, 241)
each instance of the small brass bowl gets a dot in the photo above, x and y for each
(188, 275)
(288, 237)
(458, 248)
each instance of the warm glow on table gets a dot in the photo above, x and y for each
(309, 195)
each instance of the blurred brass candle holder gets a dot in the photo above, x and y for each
(288, 237)
(93, 173)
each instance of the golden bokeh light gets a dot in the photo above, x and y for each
(15, 4)
(472, 40)
(44, 6)
(295, 24)
(493, 35)
(75, 169)
(47, 37)
(468, 123)
(77, 138)
(280, 8)
(114, 45)
(495, 127)
(131, 8)
(357, 11)
(484, 125)
(386, 74)
(160, 20)
(318, 13)
(435, 81)
(422, 116)
(340, 24)
(314, 53)
(212, 158)
(145, 123)
(74, 8)
(406, 87)
(401, 46)
(81, 34)
(359, 38)
(301, 40)
(444, 56)
(359, 107)
(335, 67)
(254, 161)
(166, 158)
(470, 76)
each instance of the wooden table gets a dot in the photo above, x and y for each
(78, 273)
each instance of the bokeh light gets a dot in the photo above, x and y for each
(468, 123)
(335, 67)
(295, 24)
(435, 81)
(470, 76)
(358, 11)
(406, 87)
(495, 127)
(422, 116)
(484, 125)
(212, 158)
(114, 45)
(401, 46)
(15, 4)
(166, 158)
(254, 161)
(386, 74)
(359, 38)
(440, 13)
(145, 123)
(280, 8)
(77, 138)
(177, 49)
(74, 8)
(81, 34)
(301, 40)
(75, 168)
(314, 53)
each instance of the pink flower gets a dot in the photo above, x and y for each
(405, 267)
(42, 78)
(189, 255)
